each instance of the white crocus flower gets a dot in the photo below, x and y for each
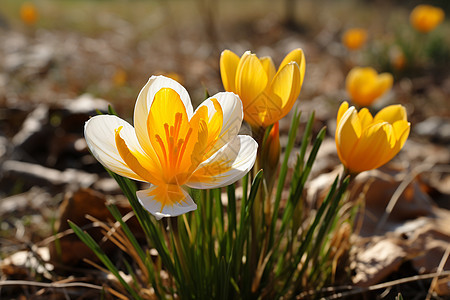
(173, 147)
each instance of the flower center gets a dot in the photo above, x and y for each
(173, 147)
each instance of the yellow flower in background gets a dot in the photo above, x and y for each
(28, 13)
(173, 147)
(120, 77)
(354, 38)
(364, 142)
(425, 18)
(267, 94)
(365, 85)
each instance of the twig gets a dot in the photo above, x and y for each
(51, 284)
(61, 285)
(388, 284)
(438, 271)
(399, 191)
(340, 291)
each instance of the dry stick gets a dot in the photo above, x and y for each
(359, 290)
(60, 285)
(50, 285)
(419, 169)
(399, 191)
(438, 271)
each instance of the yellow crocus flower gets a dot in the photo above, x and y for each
(365, 85)
(364, 142)
(267, 94)
(425, 18)
(173, 147)
(354, 38)
(29, 13)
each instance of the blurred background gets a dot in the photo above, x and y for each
(61, 61)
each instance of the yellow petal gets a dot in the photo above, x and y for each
(384, 83)
(227, 165)
(365, 117)
(144, 102)
(209, 117)
(251, 78)
(342, 109)
(391, 114)
(295, 55)
(269, 67)
(348, 132)
(232, 117)
(135, 160)
(287, 85)
(375, 148)
(166, 200)
(99, 132)
(401, 130)
(360, 83)
(168, 128)
(354, 38)
(425, 18)
(228, 66)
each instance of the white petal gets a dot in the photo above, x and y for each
(154, 206)
(232, 116)
(145, 100)
(227, 165)
(99, 132)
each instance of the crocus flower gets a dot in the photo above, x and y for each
(365, 85)
(425, 18)
(267, 94)
(354, 38)
(29, 13)
(173, 147)
(364, 142)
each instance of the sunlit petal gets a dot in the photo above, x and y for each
(227, 165)
(391, 114)
(365, 118)
(385, 82)
(373, 149)
(251, 78)
(231, 107)
(348, 132)
(401, 130)
(99, 132)
(342, 109)
(145, 100)
(269, 67)
(297, 56)
(287, 85)
(169, 128)
(228, 66)
(163, 201)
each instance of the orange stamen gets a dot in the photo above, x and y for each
(183, 148)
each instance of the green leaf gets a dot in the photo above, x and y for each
(89, 241)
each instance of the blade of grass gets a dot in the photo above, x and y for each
(283, 173)
(89, 241)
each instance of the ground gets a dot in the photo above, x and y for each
(80, 56)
